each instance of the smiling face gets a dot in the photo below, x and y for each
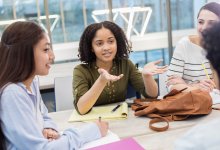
(104, 46)
(205, 20)
(43, 56)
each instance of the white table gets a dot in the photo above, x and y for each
(137, 127)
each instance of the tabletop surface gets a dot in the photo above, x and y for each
(138, 128)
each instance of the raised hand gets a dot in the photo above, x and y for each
(152, 68)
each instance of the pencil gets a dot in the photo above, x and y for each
(206, 72)
(100, 118)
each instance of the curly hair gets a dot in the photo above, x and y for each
(211, 42)
(85, 45)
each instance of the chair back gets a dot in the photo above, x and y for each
(162, 84)
(63, 93)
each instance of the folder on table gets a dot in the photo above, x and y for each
(105, 112)
(128, 144)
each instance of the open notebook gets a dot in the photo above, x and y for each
(105, 112)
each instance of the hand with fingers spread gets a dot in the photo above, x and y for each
(175, 79)
(50, 134)
(152, 68)
(108, 77)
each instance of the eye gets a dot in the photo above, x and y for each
(111, 41)
(46, 49)
(99, 43)
(200, 22)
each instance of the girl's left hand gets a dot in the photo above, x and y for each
(152, 68)
(50, 134)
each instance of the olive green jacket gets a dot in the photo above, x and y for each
(85, 75)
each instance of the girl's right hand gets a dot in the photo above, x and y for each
(103, 127)
(108, 77)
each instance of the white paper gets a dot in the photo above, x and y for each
(215, 94)
(109, 138)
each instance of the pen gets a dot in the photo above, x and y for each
(206, 72)
(114, 109)
(100, 118)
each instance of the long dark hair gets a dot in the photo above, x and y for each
(211, 44)
(85, 45)
(17, 55)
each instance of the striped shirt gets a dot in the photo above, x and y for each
(187, 62)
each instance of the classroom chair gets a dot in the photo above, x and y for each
(162, 84)
(63, 93)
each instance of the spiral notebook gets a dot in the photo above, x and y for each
(105, 112)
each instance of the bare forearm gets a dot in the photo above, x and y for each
(150, 85)
(87, 101)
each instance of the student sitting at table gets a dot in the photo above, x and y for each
(106, 70)
(189, 66)
(207, 135)
(25, 51)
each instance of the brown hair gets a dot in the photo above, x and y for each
(213, 7)
(16, 49)
(17, 55)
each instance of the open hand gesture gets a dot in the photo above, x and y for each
(108, 77)
(152, 68)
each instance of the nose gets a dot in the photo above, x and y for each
(105, 47)
(51, 55)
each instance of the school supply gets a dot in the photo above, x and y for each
(109, 138)
(128, 144)
(206, 72)
(176, 105)
(105, 112)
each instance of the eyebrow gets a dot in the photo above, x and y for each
(48, 44)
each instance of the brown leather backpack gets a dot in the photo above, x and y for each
(176, 105)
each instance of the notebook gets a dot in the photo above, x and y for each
(109, 138)
(105, 112)
(128, 144)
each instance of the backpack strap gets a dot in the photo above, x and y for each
(215, 108)
(160, 118)
(156, 119)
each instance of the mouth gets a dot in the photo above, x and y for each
(48, 65)
(107, 54)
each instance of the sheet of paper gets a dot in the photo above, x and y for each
(109, 138)
(105, 112)
(215, 94)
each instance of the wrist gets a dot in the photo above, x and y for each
(146, 75)
(102, 80)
